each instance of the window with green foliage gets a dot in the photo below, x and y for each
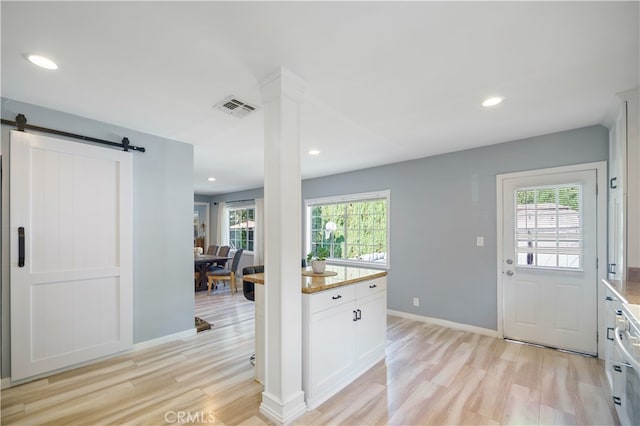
(353, 228)
(242, 224)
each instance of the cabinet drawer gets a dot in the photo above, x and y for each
(367, 288)
(330, 298)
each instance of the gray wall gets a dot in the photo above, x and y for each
(439, 205)
(163, 302)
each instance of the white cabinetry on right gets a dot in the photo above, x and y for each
(613, 362)
(624, 187)
(616, 268)
(371, 327)
(344, 335)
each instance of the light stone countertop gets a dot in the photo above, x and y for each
(345, 275)
(629, 294)
(627, 291)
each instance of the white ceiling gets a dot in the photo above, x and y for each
(386, 81)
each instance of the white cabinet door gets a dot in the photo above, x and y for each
(617, 265)
(71, 253)
(331, 347)
(611, 305)
(617, 196)
(343, 334)
(259, 332)
(618, 149)
(371, 329)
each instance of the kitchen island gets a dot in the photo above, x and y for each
(344, 323)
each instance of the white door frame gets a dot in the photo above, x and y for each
(601, 229)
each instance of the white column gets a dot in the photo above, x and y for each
(283, 398)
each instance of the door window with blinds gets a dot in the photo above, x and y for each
(549, 227)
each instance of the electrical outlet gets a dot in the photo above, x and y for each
(480, 241)
(416, 301)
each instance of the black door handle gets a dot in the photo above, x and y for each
(21, 247)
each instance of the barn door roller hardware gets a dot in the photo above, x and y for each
(21, 125)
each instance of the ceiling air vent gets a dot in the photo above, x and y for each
(236, 107)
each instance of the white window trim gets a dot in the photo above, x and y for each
(239, 206)
(344, 199)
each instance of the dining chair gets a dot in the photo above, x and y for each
(225, 274)
(223, 251)
(212, 250)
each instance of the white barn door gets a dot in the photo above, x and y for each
(71, 253)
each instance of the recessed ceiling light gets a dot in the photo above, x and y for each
(489, 102)
(314, 152)
(42, 62)
(211, 179)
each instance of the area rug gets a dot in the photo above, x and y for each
(202, 325)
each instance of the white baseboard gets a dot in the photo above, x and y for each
(282, 413)
(445, 323)
(164, 339)
(6, 382)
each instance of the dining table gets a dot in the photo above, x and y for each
(202, 264)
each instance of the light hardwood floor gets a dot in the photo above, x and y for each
(431, 376)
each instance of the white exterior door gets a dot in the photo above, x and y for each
(71, 253)
(549, 259)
